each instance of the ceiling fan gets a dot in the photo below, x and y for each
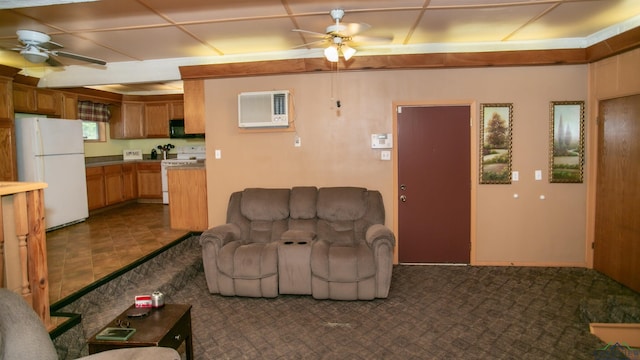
(339, 35)
(37, 48)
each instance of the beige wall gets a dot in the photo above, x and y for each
(336, 149)
(617, 76)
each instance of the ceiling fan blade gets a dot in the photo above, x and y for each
(313, 33)
(79, 57)
(53, 62)
(371, 39)
(351, 29)
(311, 44)
(50, 45)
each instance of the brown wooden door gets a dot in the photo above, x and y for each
(434, 177)
(617, 226)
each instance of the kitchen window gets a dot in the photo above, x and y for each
(94, 131)
(94, 116)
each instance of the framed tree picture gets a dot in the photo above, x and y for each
(566, 154)
(495, 143)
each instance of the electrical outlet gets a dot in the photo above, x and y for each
(515, 175)
(385, 155)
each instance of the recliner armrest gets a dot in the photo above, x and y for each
(379, 232)
(221, 234)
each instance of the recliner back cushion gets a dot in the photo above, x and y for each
(342, 203)
(265, 204)
(302, 204)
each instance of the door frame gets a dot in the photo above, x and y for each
(473, 145)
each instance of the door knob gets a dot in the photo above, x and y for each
(403, 198)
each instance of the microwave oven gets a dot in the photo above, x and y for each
(176, 130)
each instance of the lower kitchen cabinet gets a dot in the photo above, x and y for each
(149, 180)
(95, 187)
(188, 198)
(113, 184)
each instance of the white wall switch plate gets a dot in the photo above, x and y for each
(297, 142)
(538, 174)
(515, 175)
(218, 154)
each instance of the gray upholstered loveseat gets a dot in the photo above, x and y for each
(330, 243)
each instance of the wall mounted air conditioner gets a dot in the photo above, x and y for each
(263, 109)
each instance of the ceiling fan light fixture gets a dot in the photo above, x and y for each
(347, 51)
(331, 53)
(34, 55)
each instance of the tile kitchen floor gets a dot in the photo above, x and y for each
(80, 254)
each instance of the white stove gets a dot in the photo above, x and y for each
(186, 155)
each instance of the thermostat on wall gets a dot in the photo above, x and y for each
(381, 141)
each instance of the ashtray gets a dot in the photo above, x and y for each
(138, 312)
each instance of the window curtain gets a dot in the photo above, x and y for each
(91, 111)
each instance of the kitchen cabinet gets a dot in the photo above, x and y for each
(120, 183)
(130, 125)
(176, 110)
(113, 184)
(149, 180)
(129, 182)
(194, 120)
(141, 119)
(69, 106)
(188, 197)
(39, 101)
(95, 187)
(8, 168)
(156, 120)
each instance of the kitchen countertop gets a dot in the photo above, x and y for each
(118, 162)
(194, 166)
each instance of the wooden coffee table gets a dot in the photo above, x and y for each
(168, 326)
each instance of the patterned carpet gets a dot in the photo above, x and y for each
(433, 312)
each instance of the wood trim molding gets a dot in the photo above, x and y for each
(620, 43)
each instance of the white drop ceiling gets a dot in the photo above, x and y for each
(145, 41)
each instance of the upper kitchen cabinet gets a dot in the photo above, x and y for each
(69, 106)
(147, 116)
(8, 167)
(194, 106)
(130, 124)
(30, 99)
(156, 120)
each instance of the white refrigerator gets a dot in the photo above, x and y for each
(52, 151)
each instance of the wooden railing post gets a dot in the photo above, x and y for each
(29, 276)
(37, 255)
(22, 230)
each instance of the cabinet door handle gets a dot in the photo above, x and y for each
(177, 337)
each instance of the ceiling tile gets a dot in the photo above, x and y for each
(95, 15)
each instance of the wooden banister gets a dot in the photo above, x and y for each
(28, 231)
